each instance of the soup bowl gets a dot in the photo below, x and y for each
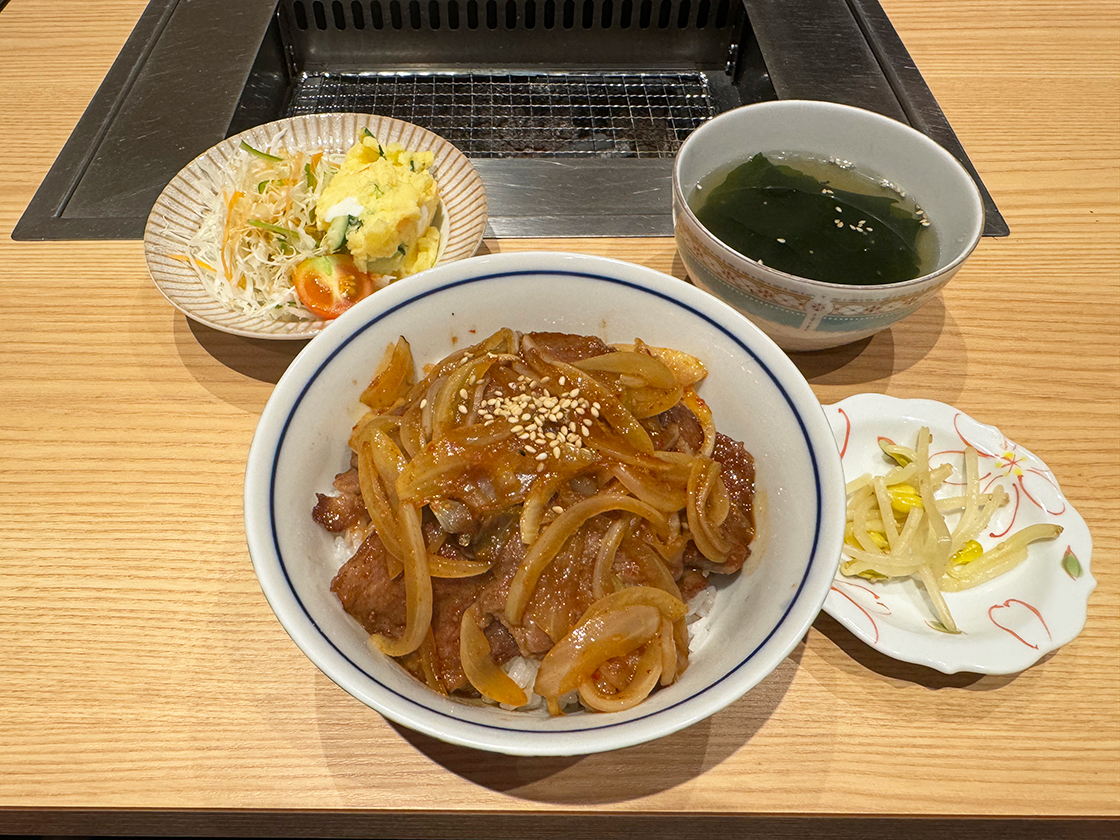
(800, 313)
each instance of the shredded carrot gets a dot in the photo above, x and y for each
(225, 232)
(186, 259)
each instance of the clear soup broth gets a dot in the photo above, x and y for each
(817, 219)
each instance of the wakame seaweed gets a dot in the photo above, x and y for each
(790, 221)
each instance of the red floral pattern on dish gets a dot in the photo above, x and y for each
(857, 592)
(1028, 623)
(847, 432)
(1005, 461)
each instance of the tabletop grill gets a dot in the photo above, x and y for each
(571, 110)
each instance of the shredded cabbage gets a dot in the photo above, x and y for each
(259, 226)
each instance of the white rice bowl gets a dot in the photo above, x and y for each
(757, 396)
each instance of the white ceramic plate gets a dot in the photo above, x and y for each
(756, 394)
(178, 211)
(1008, 623)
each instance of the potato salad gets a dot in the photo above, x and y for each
(299, 235)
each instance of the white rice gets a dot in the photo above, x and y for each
(699, 608)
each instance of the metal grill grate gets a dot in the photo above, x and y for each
(622, 115)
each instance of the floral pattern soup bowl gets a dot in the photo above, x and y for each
(807, 314)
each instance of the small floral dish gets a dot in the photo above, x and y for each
(179, 212)
(1011, 621)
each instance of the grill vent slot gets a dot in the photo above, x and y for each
(326, 15)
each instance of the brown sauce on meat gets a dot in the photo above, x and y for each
(490, 471)
(368, 593)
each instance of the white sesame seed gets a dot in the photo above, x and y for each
(542, 456)
(463, 393)
(556, 452)
(423, 402)
(557, 509)
(462, 409)
(562, 380)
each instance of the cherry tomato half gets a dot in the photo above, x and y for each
(330, 285)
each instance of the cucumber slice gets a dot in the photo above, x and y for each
(336, 233)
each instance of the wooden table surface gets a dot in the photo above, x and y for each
(145, 685)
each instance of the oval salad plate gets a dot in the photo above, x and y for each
(176, 217)
(1011, 621)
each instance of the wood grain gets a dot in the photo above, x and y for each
(143, 674)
